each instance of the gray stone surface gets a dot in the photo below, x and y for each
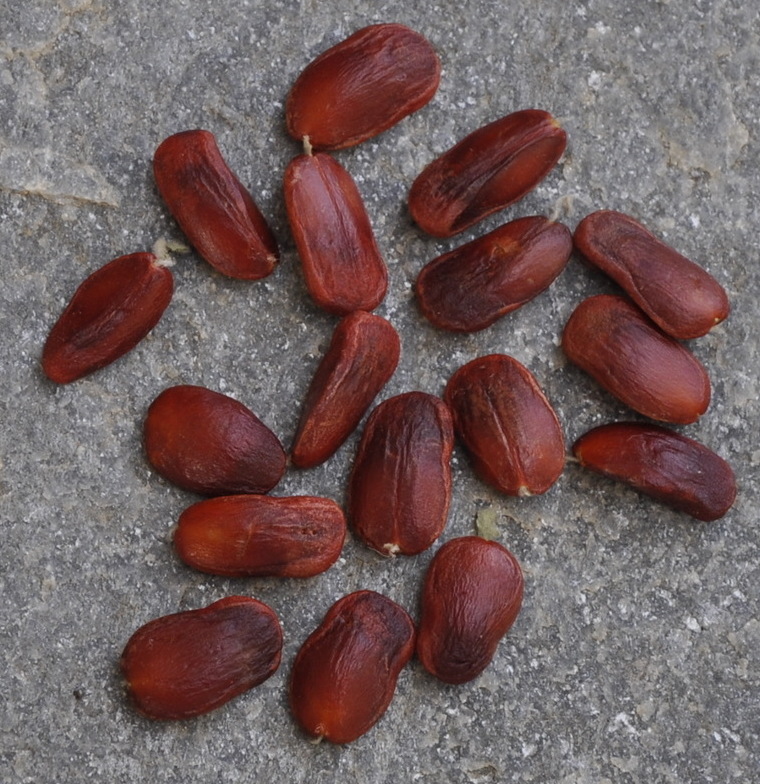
(635, 657)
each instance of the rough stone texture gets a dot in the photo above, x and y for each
(635, 657)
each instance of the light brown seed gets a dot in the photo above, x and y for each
(400, 486)
(362, 86)
(110, 313)
(341, 261)
(679, 296)
(216, 213)
(668, 466)
(209, 443)
(487, 171)
(507, 425)
(471, 597)
(362, 356)
(625, 352)
(261, 536)
(345, 674)
(471, 287)
(191, 662)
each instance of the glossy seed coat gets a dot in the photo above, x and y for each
(362, 356)
(345, 674)
(261, 536)
(341, 261)
(507, 425)
(471, 287)
(400, 486)
(110, 313)
(191, 662)
(678, 295)
(625, 352)
(487, 171)
(362, 86)
(472, 595)
(212, 207)
(676, 470)
(211, 444)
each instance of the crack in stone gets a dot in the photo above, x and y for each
(34, 52)
(49, 175)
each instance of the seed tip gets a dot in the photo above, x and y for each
(163, 248)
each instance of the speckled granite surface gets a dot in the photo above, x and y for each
(635, 657)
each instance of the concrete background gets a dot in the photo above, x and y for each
(635, 657)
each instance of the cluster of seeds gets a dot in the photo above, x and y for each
(399, 492)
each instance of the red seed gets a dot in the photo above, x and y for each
(341, 262)
(507, 425)
(487, 171)
(207, 442)
(674, 469)
(400, 485)
(471, 597)
(680, 297)
(190, 663)
(362, 86)
(345, 674)
(109, 314)
(362, 356)
(214, 210)
(471, 287)
(261, 536)
(625, 352)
